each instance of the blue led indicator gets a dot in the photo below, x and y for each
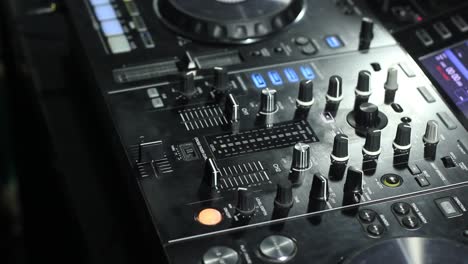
(334, 42)
(291, 75)
(99, 2)
(308, 72)
(104, 12)
(275, 78)
(258, 80)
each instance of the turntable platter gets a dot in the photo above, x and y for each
(228, 21)
(412, 250)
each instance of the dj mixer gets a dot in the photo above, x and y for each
(287, 131)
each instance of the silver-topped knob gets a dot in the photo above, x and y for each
(188, 84)
(432, 132)
(221, 79)
(278, 248)
(268, 101)
(301, 157)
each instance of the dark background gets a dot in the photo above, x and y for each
(58, 200)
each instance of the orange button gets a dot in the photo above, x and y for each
(209, 217)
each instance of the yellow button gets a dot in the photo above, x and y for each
(209, 217)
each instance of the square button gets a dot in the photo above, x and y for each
(422, 181)
(104, 12)
(448, 207)
(334, 42)
(414, 169)
(99, 2)
(157, 103)
(153, 92)
(111, 28)
(119, 44)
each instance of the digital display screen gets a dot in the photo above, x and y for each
(449, 68)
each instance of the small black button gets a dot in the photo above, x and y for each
(422, 181)
(309, 49)
(367, 216)
(375, 229)
(414, 169)
(397, 108)
(376, 66)
(301, 41)
(424, 37)
(401, 208)
(448, 162)
(447, 207)
(410, 222)
(279, 50)
(406, 119)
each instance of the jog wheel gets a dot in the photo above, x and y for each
(228, 21)
(412, 250)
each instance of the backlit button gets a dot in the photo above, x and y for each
(119, 44)
(334, 42)
(111, 28)
(104, 12)
(447, 207)
(157, 103)
(153, 93)
(99, 2)
(209, 217)
(401, 208)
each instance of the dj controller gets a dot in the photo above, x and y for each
(287, 131)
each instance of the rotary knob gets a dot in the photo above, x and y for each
(367, 115)
(363, 85)
(340, 148)
(319, 190)
(301, 157)
(268, 101)
(372, 146)
(188, 88)
(366, 34)
(284, 194)
(305, 99)
(221, 79)
(403, 137)
(353, 182)
(431, 136)
(391, 85)
(335, 89)
(245, 201)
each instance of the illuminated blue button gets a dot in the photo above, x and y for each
(334, 42)
(275, 78)
(291, 75)
(104, 12)
(258, 80)
(111, 28)
(99, 2)
(308, 72)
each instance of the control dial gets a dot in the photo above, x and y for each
(319, 190)
(284, 194)
(335, 89)
(305, 99)
(268, 101)
(403, 137)
(340, 149)
(245, 201)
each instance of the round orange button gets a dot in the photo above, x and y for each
(209, 217)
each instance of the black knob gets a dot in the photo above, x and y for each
(340, 148)
(305, 99)
(319, 190)
(232, 108)
(301, 157)
(367, 115)
(221, 79)
(212, 173)
(363, 85)
(353, 183)
(245, 201)
(403, 137)
(284, 194)
(367, 33)
(188, 84)
(431, 136)
(372, 145)
(335, 89)
(268, 101)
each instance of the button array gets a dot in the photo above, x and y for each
(371, 222)
(139, 24)
(405, 215)
(278, 77)
(110, 26)
(156, 100)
